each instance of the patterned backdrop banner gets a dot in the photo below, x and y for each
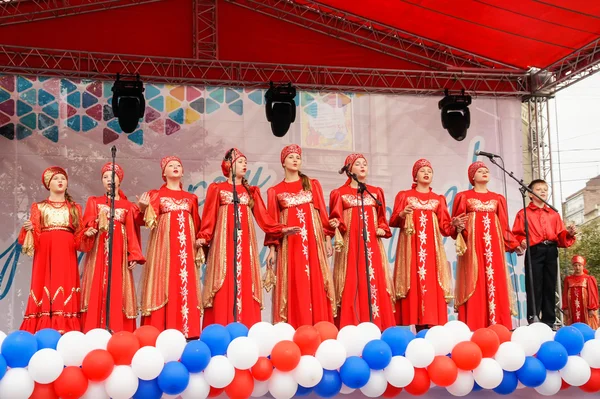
(50, 121)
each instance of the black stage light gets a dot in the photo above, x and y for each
(280, 107)
(128, 103)
(456, 117)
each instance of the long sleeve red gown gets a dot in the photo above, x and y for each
(580, 295)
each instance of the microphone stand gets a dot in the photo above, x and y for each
(362, 188)
(236, 226)
(110, 236)
(524, 189)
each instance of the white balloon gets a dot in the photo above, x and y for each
(352, 339)
(167, 396)
(597, 335)
(73, 347)
(463, 385)
(263, 335)
(458, 331)
(542, 331)
(420, 352)
(400, 372)
(16, 384)
(376, 385)
(528, 339)
(45, 366)
(369, 331)
(576, 372)
(346, 390)
(283, 332)
(591, 353)
(331, 354)
(171, 344)
(220, 372)
(488, 374)
(97, 338)
(260, 388)
(551, 385)
(2, 336)
(441, 339)
(282, 385)
(308, 372)
(510, 356)
(197, 388)
(242, 352)
(95, 390)
(147, 363)
(121, 383)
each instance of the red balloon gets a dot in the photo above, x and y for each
(285, 355)
(442, 371)
(593, 384)
(43, 391)
(242, 385)
(147, 335)
(391, 391)
(420, 383)
(487, 340)
(71, 383)
(214, 392)
(308, 340)
(122, 346)
(326, 330)
(263, 369)
(467, 355)
(504, 334)
(97, 365)
(564, 385)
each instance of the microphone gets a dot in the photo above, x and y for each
(113, 151)
(344, 169)
(486, 154)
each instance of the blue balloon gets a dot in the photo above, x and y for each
(422, 333)
(195, 356)
(174, 378)
(330, 384)
(476, 387)
(302, 391)
(533, 372)
(148, 390)
(355, 372)
(237, 330)
(509, 383)
(377, 354)
(217, 338)
(2, 366)
(397, 338)
(47, 338)
(587, 331)
(553, 355)
(571, 338)
(18, 347)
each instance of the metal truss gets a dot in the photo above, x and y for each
(205, 29)
(18, 12)
(103, 66)
(373, 35)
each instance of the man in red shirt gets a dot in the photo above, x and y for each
(547, 233)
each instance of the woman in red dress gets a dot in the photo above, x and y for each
(349, 272)
(580, 295)
(51, 236)
(484, 293)
(171, 279)
(304, 293)
(217, 231)
(422, 275)
(126, 253)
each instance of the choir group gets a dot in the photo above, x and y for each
(301, 236)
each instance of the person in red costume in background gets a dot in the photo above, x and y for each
(52, 237)
(484, 294)
(580, 295)
(126, 252)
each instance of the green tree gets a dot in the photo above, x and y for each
(588, 246)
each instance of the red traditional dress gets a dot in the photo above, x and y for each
(349, 272)
(217, 230)
(304, 293)
(54, 295)
(579, 296)
(170, 280)
(484, 293)
(422, 276)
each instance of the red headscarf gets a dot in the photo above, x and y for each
(421, 163)
(226, 164)
(120, 174)
(350, 159)
(290, 149)
(165, 161)
(50, 172)
(473, 168)
(578, 259)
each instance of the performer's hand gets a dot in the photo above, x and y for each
(524, 245)
(271, 258)
(143, 201)
(328, 247)
(572, 230)
(590, 313)
(131, 265)
(291, 230)
(200, 242)
(28, 226)
(380, 232)
(520, 251)
(407, 211)
(90, 232)
(460, 220)
(334, 223)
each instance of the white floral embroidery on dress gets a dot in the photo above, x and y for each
(238, 261)
(304, 235)
(421, 270)
(489, 269)
(183, 275)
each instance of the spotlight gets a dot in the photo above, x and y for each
(280, 107)
(456, 117)
(128, 102)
